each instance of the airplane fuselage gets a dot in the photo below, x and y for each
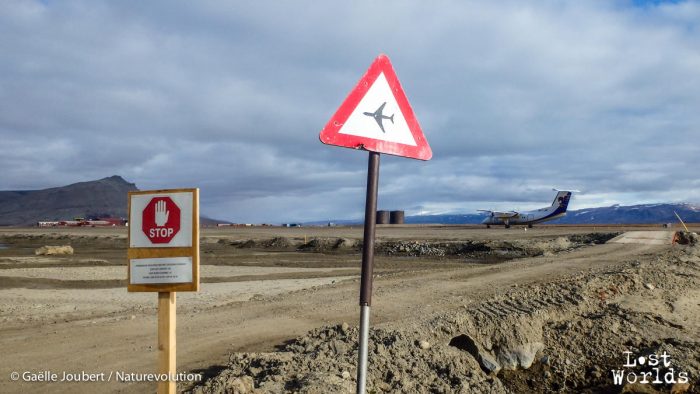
(526, 217)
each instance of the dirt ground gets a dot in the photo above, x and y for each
(455, 309)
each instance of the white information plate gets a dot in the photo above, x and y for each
(161, 270)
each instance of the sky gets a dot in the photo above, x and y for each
(514, 97)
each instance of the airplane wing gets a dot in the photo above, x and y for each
(504, 215)
(499, 214)
(381, 108)
(379, 122)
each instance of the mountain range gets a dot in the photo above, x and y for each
(107, 197)
(616, 214)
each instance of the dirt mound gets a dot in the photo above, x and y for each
(548, 247)
(324, 361)
(592, 238)
(329, 245)
(587, 324)
(347, 244)
(245, 244)
(413, 248)
(489, 248)
(272, 243)
(277, 243)
(53, 250)
(317, 245)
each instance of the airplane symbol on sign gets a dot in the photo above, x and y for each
(377, 115)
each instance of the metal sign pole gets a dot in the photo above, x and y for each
(367, 267)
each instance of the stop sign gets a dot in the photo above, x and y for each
(161, 220)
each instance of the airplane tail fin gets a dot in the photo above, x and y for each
(391, 118)
(562, 199)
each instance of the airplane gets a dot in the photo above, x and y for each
(554, 211)
(377, 115)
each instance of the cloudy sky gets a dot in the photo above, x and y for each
(515, 98)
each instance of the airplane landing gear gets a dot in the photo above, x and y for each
(529, 226)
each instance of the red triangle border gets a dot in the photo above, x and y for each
(330, 134)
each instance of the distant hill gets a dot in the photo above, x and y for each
(102, 198)
(616, 214)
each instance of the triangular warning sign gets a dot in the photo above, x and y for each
(377, 117)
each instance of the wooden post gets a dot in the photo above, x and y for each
(166, 341)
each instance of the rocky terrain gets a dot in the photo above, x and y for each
(454, 249)
(455, 309)
(567, 335)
